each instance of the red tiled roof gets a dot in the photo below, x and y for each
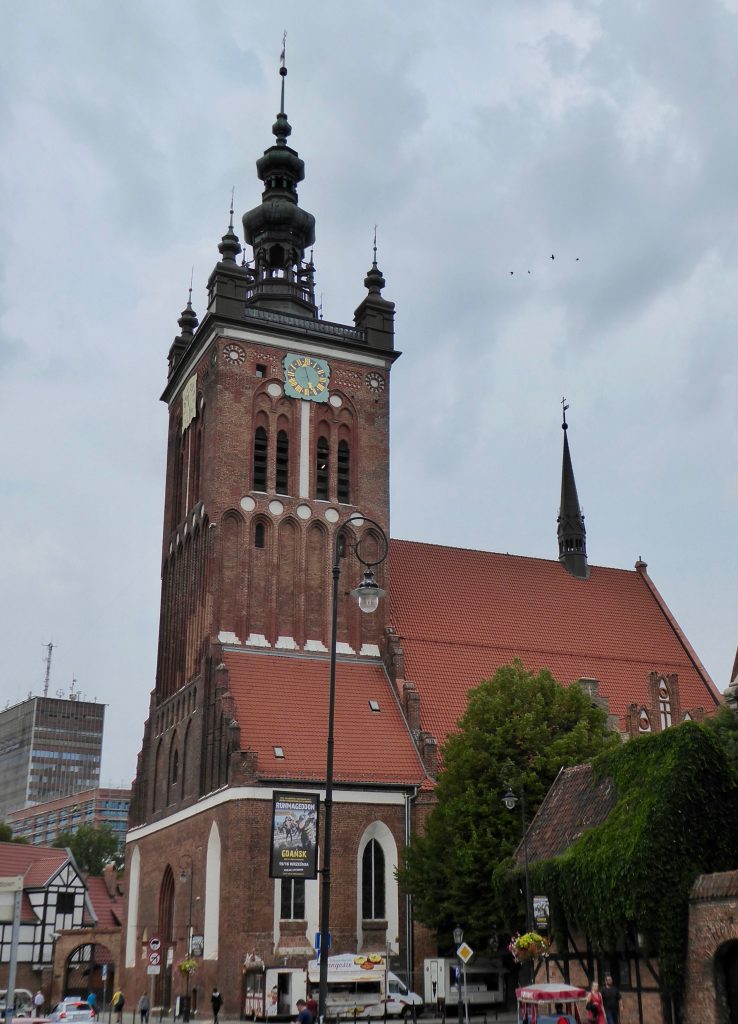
(721, 885)
(107, 908)
(282, 700)
(487, 609)
(575, 803)
(37, 864)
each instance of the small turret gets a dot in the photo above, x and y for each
(571, 532)
(375, 314)
(188, 324)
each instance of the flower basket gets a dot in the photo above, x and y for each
(529, 946)
(187, 966)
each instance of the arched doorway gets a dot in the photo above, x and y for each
(163, 993)
(726, 982)
(88, 968)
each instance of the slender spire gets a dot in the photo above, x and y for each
(188, 324)
(374, 281)
(283, 68)
(230, 246)
(571, 532)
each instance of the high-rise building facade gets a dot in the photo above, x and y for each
(41, 823)
(50, 747)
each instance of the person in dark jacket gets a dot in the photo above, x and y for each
(216, 1001)
(611, 1001)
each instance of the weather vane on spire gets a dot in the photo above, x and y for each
(233, 192)
(375, 245)
(283, 67)
(564, 407)
(192, 277)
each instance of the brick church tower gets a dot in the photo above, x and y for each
(278, 435)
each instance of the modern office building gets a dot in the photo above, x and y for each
(50, 747)
(42, 823)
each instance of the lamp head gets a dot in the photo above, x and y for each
(458, 935)
(368, 593)
(509, 800)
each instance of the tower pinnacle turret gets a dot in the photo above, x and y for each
(278, 229)
(571, 532)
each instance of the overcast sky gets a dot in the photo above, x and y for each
(482, 137)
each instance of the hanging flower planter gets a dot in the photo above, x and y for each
(187, 966)
(529, 946)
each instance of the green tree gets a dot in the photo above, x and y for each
(92, 847)
(520, 728)
(6, 834)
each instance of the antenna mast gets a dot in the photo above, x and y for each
(49, 649)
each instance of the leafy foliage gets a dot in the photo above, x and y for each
(92, 847)
(520, 728)
(676, 817)
(6, 834)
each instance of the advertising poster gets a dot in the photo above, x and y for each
(294, 835)
(541, 912)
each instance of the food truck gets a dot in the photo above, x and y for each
(551, 1003)
(360, 985)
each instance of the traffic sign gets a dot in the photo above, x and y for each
(154, 959)
(153, 970)
(465, 952)
(154, 944)
(104, 972)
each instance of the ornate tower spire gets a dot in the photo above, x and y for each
(279, 230)
(571, 532)
(229, 246)
(375, 314)
(188, 324)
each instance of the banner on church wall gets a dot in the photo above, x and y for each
(189, 402)
(294, 852)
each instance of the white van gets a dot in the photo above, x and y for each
(23, 1002)
(360, 984)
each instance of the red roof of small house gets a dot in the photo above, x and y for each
(37, 864)
(486, 609)
(282, 702)
(575, 803)
(108, 909)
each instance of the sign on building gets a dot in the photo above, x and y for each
(294, 835)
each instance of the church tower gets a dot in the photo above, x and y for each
(278, 433)
(277, 462)
(572, 534)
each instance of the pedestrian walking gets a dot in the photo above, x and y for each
(304, 1016)
(611, 1001)
(119, 1001)
(312, 1006)
(38, 1003)
(595, 1011)
(216, 1001)
(91, 1000)
(143, 1008)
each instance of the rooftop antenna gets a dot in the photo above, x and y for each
(283, 68)
(49, 649)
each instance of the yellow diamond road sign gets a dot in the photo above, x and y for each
(465, 952)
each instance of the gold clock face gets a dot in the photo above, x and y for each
(306, 377)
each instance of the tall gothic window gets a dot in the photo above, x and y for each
(321, 469)
(293, 899)
(372, 882)
(283, 462)
(664, 704)
(260, 459)
(344, 466)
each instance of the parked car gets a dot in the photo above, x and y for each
(23, 1002)
(72, 1010)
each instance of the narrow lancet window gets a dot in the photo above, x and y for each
(321, 470)
(260, 459)
(344, 468)
(283, 463)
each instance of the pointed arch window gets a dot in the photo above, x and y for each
(372, 882)
(283, 463)
(664, 705)
(259, 535)
(260, 459)
(344, 473)
(321, 469)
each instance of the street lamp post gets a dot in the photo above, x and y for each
(510, 800)
(458, 939)
(186, 870)
(367, 594)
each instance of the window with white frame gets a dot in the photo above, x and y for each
(373, 902)
(664, 704)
